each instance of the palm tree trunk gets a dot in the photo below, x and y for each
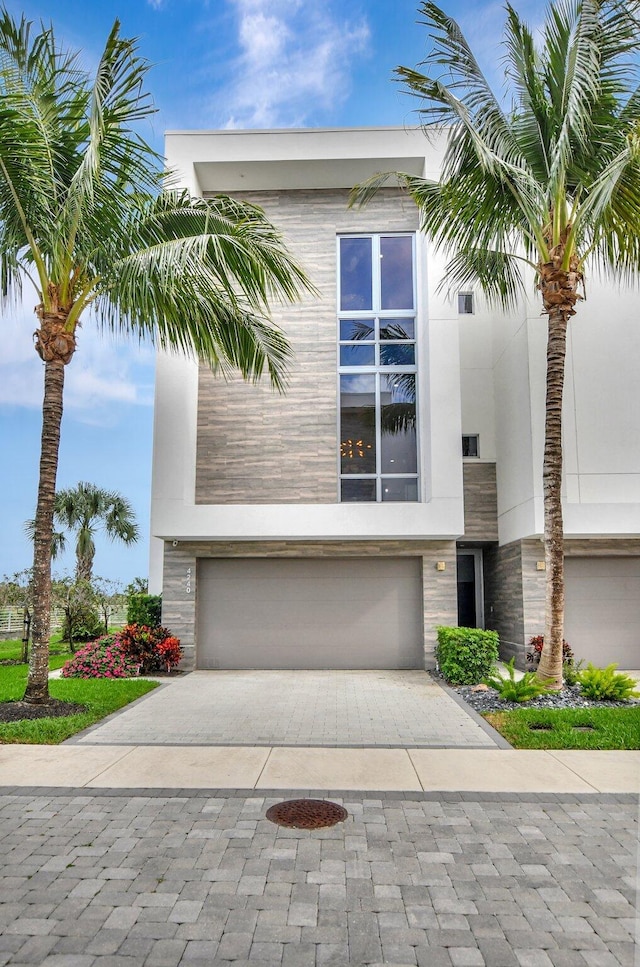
(84, 567)
(37, 691)
(550, 666)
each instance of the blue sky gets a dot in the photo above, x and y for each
(218, 64)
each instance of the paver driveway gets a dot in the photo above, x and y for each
(405, 709)
(201, 881)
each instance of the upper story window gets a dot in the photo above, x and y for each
(377, 333)
(465, 304)
(470, 445)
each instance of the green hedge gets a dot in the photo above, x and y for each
(144, 609)
(466, 656)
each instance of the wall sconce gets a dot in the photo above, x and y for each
(541, 566)
(441, 565)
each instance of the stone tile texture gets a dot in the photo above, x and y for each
(142, 880)
(406, 709)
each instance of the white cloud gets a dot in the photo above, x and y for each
(103, 372)
(296, 60)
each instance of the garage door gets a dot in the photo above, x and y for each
(310, 613)
(602, 609)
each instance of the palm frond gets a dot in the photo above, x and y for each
(188, 271)
(531, 122)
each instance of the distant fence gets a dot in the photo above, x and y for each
(11, 620)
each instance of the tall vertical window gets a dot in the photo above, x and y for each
(377, 332)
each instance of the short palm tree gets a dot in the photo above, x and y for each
(543, 186)
(84, 219)
(84, 510)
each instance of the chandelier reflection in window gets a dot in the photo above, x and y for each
(350, 449)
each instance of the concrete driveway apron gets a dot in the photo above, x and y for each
(388, 709)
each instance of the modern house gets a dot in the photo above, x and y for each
(397, 486)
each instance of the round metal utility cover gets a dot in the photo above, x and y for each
(306, 813)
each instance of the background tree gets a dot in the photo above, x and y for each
(541, 186)
(77, 599)
(138, 585)
(85, 509)
(17, 592)
(110, 599)
(83, 218)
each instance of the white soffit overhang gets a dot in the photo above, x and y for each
(302, 159)
(275, 175)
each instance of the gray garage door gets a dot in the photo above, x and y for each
(602, 610)
(310, 613)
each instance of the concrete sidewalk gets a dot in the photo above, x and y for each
(272, 768)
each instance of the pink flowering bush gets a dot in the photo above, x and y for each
(103, 658)
(135, 650)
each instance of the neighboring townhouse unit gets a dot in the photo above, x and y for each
(397, 486)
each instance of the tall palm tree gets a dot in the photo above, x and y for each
(544, 186)
(84, 509)
(84, 220)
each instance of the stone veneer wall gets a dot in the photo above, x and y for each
(603, 547)
(515, 596)
(180, 591)
(255, 446)
(503, 605)
(480, 502)
(515, 589)
(533, 591)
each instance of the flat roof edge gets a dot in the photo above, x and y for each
(252, 131)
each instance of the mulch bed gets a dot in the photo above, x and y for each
(18, 711)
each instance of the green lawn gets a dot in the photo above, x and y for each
(585, 728)
(11, 649)
(101, 696)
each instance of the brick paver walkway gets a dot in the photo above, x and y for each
(156, 881)
(306, 708)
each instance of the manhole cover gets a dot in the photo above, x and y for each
(306, 813)
(540, 727)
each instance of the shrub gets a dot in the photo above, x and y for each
(85, 626)
(466, 655)
(170, 651)
(134, 650)
(533, 656)
(605, 684)
(144, 609)
(522, 690)
(103, 658)
(571, 672)
(140, 643)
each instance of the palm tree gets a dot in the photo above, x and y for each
(84, 509)
(83, 218)
(545, 185)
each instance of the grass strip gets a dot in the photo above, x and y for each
(101, 696)
(572, 728)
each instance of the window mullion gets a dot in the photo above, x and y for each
(376, 276)
(378, 441)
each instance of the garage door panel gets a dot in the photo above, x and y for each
(310, 613)
(602, 609)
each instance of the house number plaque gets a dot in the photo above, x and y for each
(188, 584)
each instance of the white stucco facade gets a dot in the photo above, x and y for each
(479, 374)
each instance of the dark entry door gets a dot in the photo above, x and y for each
(467, 611)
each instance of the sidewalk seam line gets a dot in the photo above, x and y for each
(110, 766)
(413, 766)
(259, 777)
(560, 762)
